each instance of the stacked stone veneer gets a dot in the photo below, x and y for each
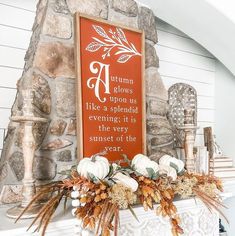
(50, 70)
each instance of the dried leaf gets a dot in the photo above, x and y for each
(104, 196)
(86, 221)
(97, 191)
(149, 202)
(145, 205)
(92, 223)
(106, 232)
(159, 210)
(97, 198)
(167, 195)
(83, 200)
(102, 187)
(97, 211)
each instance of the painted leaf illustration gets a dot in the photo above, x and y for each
(133, 46)
(100, 31)
(121, 34)
(124, 58)
(94, 46)
(111, 40)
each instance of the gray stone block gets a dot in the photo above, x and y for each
(126, 7)
(146, 22)
(97, 8)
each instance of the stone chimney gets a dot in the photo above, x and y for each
(50, 70)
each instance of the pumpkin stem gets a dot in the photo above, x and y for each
(93, 158)
(102, 153)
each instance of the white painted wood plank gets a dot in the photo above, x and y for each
(205, 115)
(187, 59)
(9, 77)
(202, 89)
(7, 97)
(186, 73)
(205, 102)
(12, 57)
(16, 17)
(199, 141)
(14, 37)
(162, 25)
(1, 138)
(181, 43)
(25, 4)
(4, 117)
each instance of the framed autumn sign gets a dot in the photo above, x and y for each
(110, 91)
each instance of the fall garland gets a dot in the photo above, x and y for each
(100, 189)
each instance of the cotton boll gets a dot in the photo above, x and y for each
(73, 211)
(74, 194)
(76, 203)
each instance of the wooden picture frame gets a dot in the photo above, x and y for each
(123, 70)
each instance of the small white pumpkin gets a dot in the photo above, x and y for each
(168, 170)
(167, 160)
(96, 165)
(125, 180)
(140, 163)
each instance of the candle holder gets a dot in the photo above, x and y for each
(28, 145)
(189, 129)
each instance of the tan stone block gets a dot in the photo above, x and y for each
(55, 59)
(42, 99)
(57, 25)
(44, 168)
(151, 58)
(159, 126)
(64, 156)
(146, 21)
(65, 99)
(97, 8)
(119, 18)
(60, 6)
(72, 127)
(11, 194)
(158, 107)
(57, 144)
(58, 127)
(154, 84)
(126, 7)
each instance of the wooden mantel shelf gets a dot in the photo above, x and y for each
(195, 219)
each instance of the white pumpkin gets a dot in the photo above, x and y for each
(96, 165)
(140, 163)
(167, 160)
(168, 170)
(125, 180)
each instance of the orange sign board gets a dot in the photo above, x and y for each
(111, 100)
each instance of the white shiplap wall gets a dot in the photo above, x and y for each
(181, 60)
(16, 20)
(184, 60)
